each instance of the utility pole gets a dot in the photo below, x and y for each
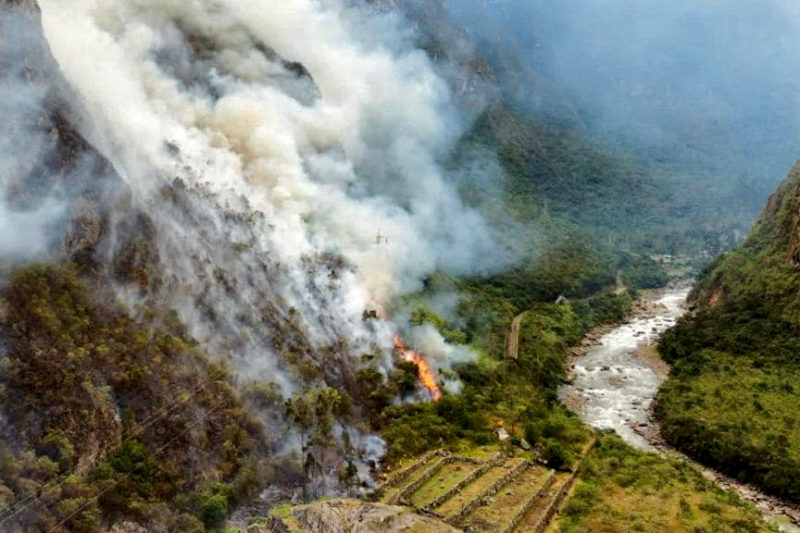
(381, 239)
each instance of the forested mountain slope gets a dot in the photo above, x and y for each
(732, 401)
(561, 177)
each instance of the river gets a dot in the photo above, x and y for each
(614, 380)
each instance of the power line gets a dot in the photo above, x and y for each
(228, 396)
(22, 505)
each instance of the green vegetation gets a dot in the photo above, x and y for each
(519, 395)
(731, 401)
(739, 415)
(106, 419)
(622, 490)
(563, 184)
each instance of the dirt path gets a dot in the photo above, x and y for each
(513, 336)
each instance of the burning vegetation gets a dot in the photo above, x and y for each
(424, 372)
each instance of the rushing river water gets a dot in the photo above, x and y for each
(613, 387)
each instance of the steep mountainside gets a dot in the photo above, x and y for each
(732, 399)
(104, 420)
(103, 417)
(112, 411)
(196, 318)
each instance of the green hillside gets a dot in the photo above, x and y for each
(732, 400)
(106, 418)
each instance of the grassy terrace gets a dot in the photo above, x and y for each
(442, 481)
(452, 506)
(392, 492)
(501, 509)
(533, 516)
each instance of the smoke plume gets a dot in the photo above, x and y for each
(287, 161)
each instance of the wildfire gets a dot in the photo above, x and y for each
(424, 371)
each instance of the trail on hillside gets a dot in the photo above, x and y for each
(614, 381)
(513, 335)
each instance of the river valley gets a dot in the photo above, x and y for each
(613, 380)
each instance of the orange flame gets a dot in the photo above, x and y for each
(424, 371)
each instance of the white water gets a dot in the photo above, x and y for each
(615, 388)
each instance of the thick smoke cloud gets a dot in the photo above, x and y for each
(28, 212)
(267, 144)
(710, 84)
(270, 143)
(360, 158)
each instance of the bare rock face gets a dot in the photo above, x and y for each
(353, 516)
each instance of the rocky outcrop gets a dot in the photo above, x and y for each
(352, 516)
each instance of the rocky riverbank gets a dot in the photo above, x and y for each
(647, 306)
(610, 382)
(615, 373)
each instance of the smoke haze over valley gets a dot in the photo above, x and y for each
(661, 74)
(256, 252)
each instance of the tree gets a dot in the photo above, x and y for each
(313, 412)
(326, 403)
(300, 410)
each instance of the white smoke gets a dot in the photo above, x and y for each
(427, 339)
(28, 211)
(270, 142)
(361, 158)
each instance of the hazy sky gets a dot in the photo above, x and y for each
(719, 79)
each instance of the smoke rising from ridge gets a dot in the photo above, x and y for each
(267, 144)
(264, 145)
(361, 158)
